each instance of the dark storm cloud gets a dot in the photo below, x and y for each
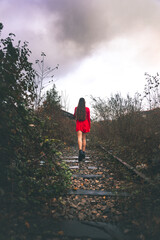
(81, 22)
(87, 23)
(69, 30)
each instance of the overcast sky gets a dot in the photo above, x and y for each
(101, 46)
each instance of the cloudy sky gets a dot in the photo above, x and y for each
(102, 46)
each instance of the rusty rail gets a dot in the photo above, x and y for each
(128, 166)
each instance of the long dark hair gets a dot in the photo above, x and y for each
(81, 110)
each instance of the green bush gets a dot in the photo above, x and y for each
(24, 139)
(16, 97)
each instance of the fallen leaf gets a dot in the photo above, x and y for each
(94, 211)
(126, 230)
(117, 212)
(60, 233)
(73, 205)
(31, 125)
(98, 206)
(135, 223)
(80, 216)
(142, 237)
(63, 202)
(157, 220)
(27, 224)
(54, 200)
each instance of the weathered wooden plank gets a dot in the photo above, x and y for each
(89, 167)
(75, 157)
(96, 193)
(87, 176)
(75, 161)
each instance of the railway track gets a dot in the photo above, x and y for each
(100, 199)
(93, 199)
(128, 166)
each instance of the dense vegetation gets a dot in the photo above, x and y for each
(122, 125)
(30, 139)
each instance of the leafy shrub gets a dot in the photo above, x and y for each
(56, 125)
(16, 96)
(24, 139)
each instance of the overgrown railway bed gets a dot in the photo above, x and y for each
(128, 166)
(103, 190)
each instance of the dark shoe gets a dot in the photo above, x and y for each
(83, 155)
(80, 157)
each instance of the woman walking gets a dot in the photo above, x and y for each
(83, 125)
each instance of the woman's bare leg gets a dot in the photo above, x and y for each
(84, 142)
(79, 135)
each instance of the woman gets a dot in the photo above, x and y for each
(83, 124)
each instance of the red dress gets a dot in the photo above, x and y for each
(85, 125)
